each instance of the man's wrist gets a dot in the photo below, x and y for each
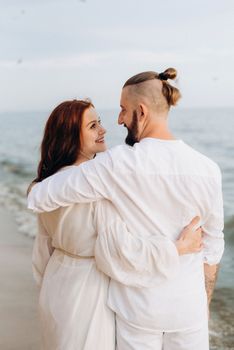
(211, 275)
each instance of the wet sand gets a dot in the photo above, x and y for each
(222, 320)
(18, 294)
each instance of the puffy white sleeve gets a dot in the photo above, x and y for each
(42, 251)
(213, 228)
(129, 258)
(88, 182)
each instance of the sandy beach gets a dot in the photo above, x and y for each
(18, 294)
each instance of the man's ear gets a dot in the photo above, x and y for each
(143, 112)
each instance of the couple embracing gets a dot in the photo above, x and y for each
(120, 256)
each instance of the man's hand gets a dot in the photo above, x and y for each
(31, 186)
(190, 240)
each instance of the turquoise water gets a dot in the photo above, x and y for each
(210, 131)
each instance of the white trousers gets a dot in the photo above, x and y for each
(131, 338)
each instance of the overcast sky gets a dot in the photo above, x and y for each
(52, 50)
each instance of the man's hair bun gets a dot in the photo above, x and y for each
(169, 73)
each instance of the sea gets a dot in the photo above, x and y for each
(210, 131)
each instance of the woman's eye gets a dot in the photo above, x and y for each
(93, 126)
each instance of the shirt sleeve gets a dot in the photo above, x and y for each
(213, 228)
(42, 251)
(128, 257)
(91, 181)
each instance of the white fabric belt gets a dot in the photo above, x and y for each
(76, 256)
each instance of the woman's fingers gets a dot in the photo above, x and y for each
(193, 223)
(200, 247)
(198, 231)
(190, 240)
(191, 227)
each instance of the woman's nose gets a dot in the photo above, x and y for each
(102, 130)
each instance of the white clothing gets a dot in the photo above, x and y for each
(73, 295)
(132, 338)
(157, 186)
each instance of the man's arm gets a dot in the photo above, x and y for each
(211, 275)
(91, 181)
(133, 259)
(213, 240)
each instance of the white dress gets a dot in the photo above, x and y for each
(73, 291)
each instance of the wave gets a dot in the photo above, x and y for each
(13, 198)
(19, 169)
(229, 230)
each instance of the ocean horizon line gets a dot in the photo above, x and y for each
(178, 108)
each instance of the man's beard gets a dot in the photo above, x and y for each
(131, 138)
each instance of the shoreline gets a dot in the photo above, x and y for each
(18, 294)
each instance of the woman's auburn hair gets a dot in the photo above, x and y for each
(61, 140)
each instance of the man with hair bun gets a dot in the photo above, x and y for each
(158, 184)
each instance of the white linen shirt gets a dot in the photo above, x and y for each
(157, 186)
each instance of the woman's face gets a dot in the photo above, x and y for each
(92, 133)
